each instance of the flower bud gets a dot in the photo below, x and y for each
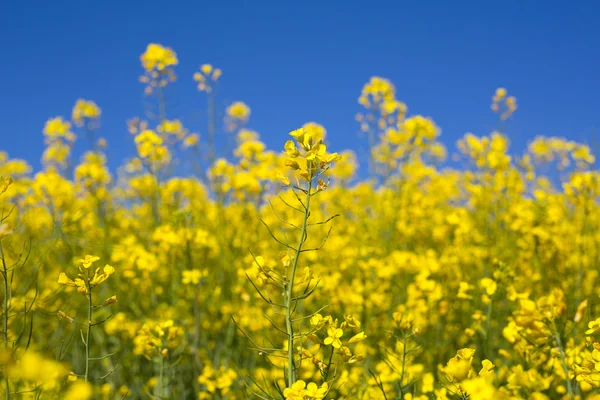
(110, 300)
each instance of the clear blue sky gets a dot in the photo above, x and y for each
(294, 62)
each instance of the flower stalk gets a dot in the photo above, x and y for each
(291, 367)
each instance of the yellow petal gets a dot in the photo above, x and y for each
(63, 279)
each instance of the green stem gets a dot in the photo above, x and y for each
(196, 362)
(160, 381)
(162, 104)
(488, 323)
(5, 319)
(563, 360)
(156, 198)
(329, 364)
(88, 335)
(371, 143)
(403, 363)
(291, 370)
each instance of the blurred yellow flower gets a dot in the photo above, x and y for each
(84, 109)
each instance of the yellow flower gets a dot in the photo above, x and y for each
(206, 68)
(79, 391)
(321, 185)
(58, 128)
(238, 110)
(63, 279)
(487, 367)
(500, 94)
(593, 327)
(489, 285)
(458, 367)
(84, 109)
(358, 337)
(110, 300)
(157, 57)
(293, 164)
(312, 391)
(172, 127)
(205, 79)
(100, 277)
(298, 134)
(333, 337)
(316, 152)
(34, 369)
(333, 157)
(78, 283)
(283, 179)
(191, 140)
(463, 290)
(192, 276)
(579, 313)
(151, 147)
(500, 102)
(5, 183)
(301, 391)
(482, 389)
(290, 149)
(88, 260)
(316, 131)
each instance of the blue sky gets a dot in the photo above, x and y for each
(294, 62)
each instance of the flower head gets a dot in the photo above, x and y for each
(88, 260)
(158, 62)
(333, 337)
(85, 110)
(207, 77)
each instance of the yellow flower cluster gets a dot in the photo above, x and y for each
(239, 111)
(489, 152)
(207, 77)
(157, 338)
(93, 175)
(301, 391)
(35, 369)
(151, 148)
(216, 382)
(315, 130)
(172, 128)
(158, 58)
(307, 156)
(86, 279)
(85, 110)
(158, 62)
(378, 96)
(503, 104)
(548, 149)
(59, 139)
(473, 280)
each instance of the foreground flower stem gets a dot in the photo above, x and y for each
(5, 303)
(329, 364)
(563, 359)
(161, 384)
(89, 329)
(291, 370)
